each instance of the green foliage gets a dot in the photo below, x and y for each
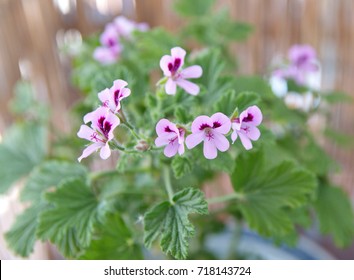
(193, 8)
(113, 241)
(170, 220)
(181, 166)
(182, 115)
(75, 208)
(269, 190)
(232, 100)
(50, 174)
(22, 235)
(336, 97)
(335, 214)
(23, 147)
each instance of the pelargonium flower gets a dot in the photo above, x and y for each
(103, 122)
(171, 66)
(111, 97)
(245, 126)
(171, 136)
(303, 65)
(212, 131)
(125, 27)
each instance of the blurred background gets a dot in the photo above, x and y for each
(33, 31)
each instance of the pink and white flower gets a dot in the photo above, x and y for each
(212, 131)
(171, 136)
(103, 123)
(111, 98)
(125, 27)
(245, 126)
(171, 66)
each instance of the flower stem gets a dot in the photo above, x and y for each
(226, 198)
(168, 186)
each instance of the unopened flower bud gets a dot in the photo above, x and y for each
(142, 146)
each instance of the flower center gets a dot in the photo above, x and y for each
(209, 133)
(173, 67)
(104, 126)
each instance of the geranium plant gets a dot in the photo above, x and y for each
(173, 117)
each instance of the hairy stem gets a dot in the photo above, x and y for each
(167, 180)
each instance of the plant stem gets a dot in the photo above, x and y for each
(225, 198)
(168, 186)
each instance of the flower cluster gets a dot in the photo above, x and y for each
(302, 65)
(111, 47)
(210, 130)
(304, 68)
(171, 66)
(103, 120)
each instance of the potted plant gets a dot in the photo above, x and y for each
(196, 147)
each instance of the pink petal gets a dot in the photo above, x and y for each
(223, 121)
(257, 115)
(89, 150)
(246, 142)
(188, 86)
(105, 151)
(105, 55)
(164, 61)
(194, 71)
(180, 53)
(233, 136)
(105, 97)
(253, 133)
(170, 87)
(171, 149)
(118, 84)
(199, 122)
(109, 37)
(221, 143)
(163, 124)
(162, 140)
(194, 139)
(181, 149)
(85, 132)
(209, 149)
(125, 93)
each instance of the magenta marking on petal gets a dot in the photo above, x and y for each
(104, 126)
(249, 118)
(177, 64)
(172, 140)
(168, 129)
(216, 124)
(116, 97)
(203, 126)
(106, 103)
(209, 135)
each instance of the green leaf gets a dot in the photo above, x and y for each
(22, 235)
(193, 8)
(335, 214)
(170, 221)
(76, 208)
(182, 115)
(23, 147)
(50, 174)
(114, 241)
(181, 166)
(269, 190)
(223, 162)
(232, 100)
(337, 97)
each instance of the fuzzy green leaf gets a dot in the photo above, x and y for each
(170, 221)
(23, 147)
(182, 115)
(181, 166)
(50, 174)
(193, 8)
(232, 100)
(22, 235)
(114, 241)
(269, 190)
(335, 214)
(75, 208)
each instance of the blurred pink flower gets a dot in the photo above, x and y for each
(103, 122)
(171, 66)
(111, 97)
(245, 126)
(171, 136)
(212, 131)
